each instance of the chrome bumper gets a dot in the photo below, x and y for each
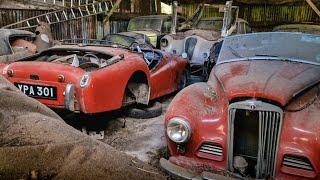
(182, 173)
(69, 97)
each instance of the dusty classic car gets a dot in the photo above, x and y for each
(195, 44)
(92, 78)
(304, 28)
(154, 27)
(258, 116)
(15, 44)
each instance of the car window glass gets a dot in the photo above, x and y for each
(215, 25)
(144, 24)
(166, 26)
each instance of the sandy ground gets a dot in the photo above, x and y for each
(35, 143)
(143, 139)
(140, 138)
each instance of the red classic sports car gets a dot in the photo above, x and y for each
(97, 78)
(258, 116)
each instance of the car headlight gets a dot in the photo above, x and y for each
(179, 130)
(164, 42)
(84, 80)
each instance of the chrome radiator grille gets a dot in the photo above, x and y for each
(270, 121)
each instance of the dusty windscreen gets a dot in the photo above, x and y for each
(280, 45)
(145, 24)
(215, 25)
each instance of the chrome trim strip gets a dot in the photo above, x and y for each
(269, 58)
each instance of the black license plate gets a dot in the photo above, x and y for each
(37, 91)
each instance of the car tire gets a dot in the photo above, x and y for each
(185, 80)
(145, 112)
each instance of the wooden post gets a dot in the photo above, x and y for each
(158, 4)
(174, 17)
(132, 8)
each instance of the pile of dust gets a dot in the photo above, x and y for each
(37, 143)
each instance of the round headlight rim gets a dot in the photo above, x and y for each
(164, 42)
(184, 122)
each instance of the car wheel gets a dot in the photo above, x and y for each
(185, 79)
(145, 112)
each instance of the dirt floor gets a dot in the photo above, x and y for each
(143, 139)
(35, 143)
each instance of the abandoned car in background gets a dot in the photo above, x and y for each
(304, 28)
(154, 27)
(93, 78)
(197, 44)
(256, 117)
(15, 44)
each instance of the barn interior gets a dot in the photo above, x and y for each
(159, 89)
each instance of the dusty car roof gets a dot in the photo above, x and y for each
(6, 33)
(10, 32)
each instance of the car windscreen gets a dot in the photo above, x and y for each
(145, 24)
(215, 25)
(276, 45)
(120, 39)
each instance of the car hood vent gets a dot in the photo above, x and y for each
(211, 149)
(297, 162)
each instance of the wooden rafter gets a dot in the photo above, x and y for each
(314, 7)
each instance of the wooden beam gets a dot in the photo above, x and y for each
(158, 3)
(106, 21)
(314, 7)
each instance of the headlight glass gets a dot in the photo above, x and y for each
(179, 130)
(84, 80)
(164, 42)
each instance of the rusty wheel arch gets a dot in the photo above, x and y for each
(137, 89)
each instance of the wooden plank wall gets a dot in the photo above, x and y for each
(90, 27)
(265, 17)
(86, 28)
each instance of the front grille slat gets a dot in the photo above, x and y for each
(276, 140)
(297, 165)
(297, 162)
(211, 149)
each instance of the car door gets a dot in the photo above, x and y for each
(161, 77)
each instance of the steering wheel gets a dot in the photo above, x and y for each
(94, 56)
(144, 46)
